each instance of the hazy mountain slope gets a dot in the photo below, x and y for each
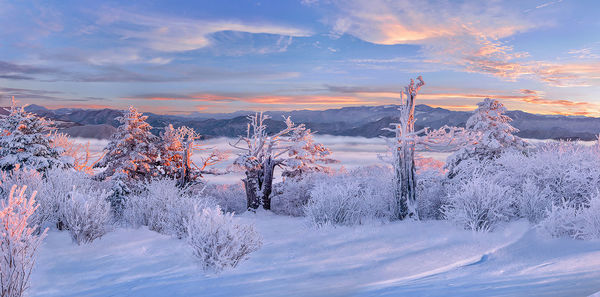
(365, 121)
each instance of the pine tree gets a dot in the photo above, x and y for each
(171, 152)
(495, 135)
(26, 140)
(131, 150)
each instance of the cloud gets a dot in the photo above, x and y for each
(170, 34)
(201, 97)
(585, 53)
(530, 98)
(471, 36)
(13, 71)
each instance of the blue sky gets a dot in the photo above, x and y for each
(221, 56)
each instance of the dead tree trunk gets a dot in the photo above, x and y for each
(186, 168)
(252, 185)
(404, 154)
(259, 185)
(267, 186)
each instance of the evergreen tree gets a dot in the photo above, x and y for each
(495, 135)
(131, 151)
(25, 139)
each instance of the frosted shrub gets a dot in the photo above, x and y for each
(569, 220)
(479, 205)
(86, 214)
(231, 198)
(20, 177)
(431, 194)
(164, 207)
(532, 201)
(218, 241)
(18, 242)
(353, 198)
(55, 192)
(291, 195)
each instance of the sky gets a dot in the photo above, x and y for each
(179, 57)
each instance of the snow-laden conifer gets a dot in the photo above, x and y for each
(26, 139)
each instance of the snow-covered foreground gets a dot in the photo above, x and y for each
(396, 259)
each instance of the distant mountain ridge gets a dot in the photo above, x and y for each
(365, 121)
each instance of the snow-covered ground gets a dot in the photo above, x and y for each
(395, 259)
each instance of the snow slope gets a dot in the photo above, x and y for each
(396, 259)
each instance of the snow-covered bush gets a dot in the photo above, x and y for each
(532, 201)
(231, 198)
(21, 177)
(576, 221)
(431, 194)
(18, 242)
(291, 195)
(547, 174)
(54, 193)
(359, 196)
(86, 214)
(164, 207)
(479, 204)
(218, 241)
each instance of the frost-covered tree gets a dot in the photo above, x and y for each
(18, 242)
(132, 150)
(495, 135)
(291, 148)
(26, 139)
(176, 150)
(407, 141)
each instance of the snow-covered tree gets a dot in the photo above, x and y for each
(407, 141)
(495, 135)
(18, 242)
(291, 148)
(176, 150)
(26, 139)
(132, 150)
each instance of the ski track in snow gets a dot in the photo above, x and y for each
(396, 259)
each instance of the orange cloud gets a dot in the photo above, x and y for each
(202, 97)
(307, 100)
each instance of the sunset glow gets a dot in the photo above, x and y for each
(179, 57)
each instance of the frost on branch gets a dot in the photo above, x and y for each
(218, 241)
(86, 214)
(479, 204)
(176, 150)
(18, 242)
(164, 207)
(78, 154)
(292, 148)
(407, 141)
(26, 139)
(495, 135)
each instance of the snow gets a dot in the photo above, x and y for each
(297, 260)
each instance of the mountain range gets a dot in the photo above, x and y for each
(365, 121)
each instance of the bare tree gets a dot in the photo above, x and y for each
(292, 148)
